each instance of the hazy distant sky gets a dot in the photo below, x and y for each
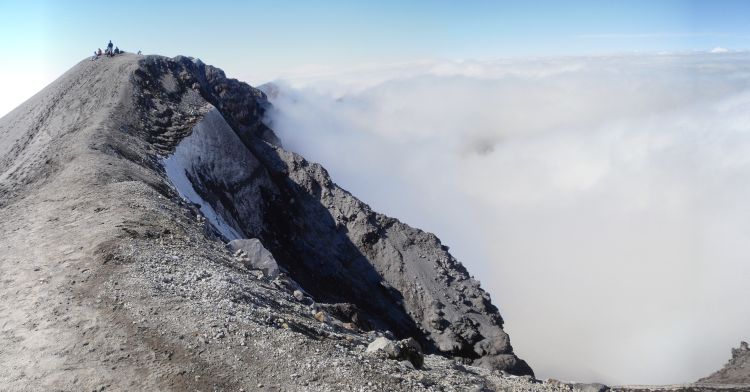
(261, 40)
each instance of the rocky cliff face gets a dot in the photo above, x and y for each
(340, 251)
(121, 183)
(736, 371)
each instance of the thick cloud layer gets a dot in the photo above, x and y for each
(604, 202)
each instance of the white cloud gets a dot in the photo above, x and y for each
(719, 49)
(601, 200)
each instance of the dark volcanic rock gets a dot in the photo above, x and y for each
(401, 278)
(171, 82)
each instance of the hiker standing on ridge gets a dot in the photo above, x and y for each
(109, 48)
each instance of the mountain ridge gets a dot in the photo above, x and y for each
(84, 187)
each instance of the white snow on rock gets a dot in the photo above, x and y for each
(208, 155)
(176, 174)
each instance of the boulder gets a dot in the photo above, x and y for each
(255, 256)
(736, 371)
(411, 351)
(322, 317)
(404, 350)
(385, 345)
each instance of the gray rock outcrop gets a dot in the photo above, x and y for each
(254, 256)
(736, 371)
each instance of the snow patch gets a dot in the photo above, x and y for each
(178, 175)
(178, 165)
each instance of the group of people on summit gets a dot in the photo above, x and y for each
(109, 52)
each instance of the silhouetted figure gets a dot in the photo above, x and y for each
(97, 54)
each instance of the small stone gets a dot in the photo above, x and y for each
(321, 316)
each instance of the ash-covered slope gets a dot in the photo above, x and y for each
(120, 183)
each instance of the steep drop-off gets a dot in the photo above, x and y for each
(335, 246)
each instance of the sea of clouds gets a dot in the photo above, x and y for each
(604, 202)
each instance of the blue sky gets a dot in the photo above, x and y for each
(257, 40)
